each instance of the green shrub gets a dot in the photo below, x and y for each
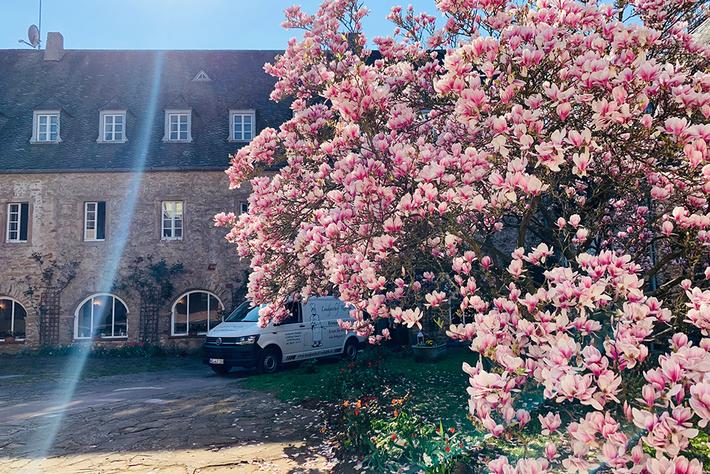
(128, 350)
(391, 435)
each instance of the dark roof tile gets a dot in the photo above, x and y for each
(144, 83)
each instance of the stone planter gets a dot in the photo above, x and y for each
(425, 353)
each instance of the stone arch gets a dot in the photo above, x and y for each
(14, 291)
(193, 283)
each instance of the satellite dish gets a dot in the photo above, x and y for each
(33, 35)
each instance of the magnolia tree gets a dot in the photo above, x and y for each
(541, 167)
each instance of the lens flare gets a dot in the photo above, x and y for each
(44, 440)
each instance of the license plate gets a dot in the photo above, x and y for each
(217, 361)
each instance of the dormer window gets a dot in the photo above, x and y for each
(241, 125)
(112, 126)
(46, 127)
(177, 126)
(201, 77)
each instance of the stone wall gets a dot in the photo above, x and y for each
(133, 229)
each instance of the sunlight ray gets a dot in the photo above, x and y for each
(107, 275)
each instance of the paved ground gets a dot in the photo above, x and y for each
(181, 420)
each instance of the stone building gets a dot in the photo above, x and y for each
(111, 168)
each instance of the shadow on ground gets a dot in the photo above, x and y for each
(183, 419)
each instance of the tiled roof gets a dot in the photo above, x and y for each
(84, 82)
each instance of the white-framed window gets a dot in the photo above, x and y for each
(201, 77)
(12, 319)
(101, 315)
(195, 313)
(241, 125)
(94, 221)
(112, 126)
(243, 207)
(45, 126)
(171, 220)
(178, 125)
(17, 222)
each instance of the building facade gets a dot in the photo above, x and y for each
(111, 168)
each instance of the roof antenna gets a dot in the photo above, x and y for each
(34, 32)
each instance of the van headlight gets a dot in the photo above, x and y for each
(246, 340)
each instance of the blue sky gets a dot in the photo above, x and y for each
(172, 24)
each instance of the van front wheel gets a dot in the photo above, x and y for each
(269, 361)
(350, 350)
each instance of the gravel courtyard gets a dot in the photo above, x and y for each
(181, 420)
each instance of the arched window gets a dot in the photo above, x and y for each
(12, 319)
(195, 313)
(101, 315)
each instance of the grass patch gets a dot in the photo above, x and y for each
(386, 410)
(438, 389)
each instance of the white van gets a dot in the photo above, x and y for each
(310, 331)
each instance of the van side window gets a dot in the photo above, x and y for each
(294, 316)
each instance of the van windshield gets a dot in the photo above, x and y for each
(245, 313)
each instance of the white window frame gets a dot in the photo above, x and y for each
(187, 302)
(232, 121)
(104, 115)
(113, 318)
(12, 317)
(169, 113)
(94, 220)
(18, 213)
(201, 76)
(37, 118)
(172, 226)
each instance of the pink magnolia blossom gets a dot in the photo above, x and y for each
(565, 145)
(550, 423)
(700, 402)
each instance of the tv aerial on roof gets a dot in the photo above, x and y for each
(33, 32)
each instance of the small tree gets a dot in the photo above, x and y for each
(43, 290)
(548, 163)
(153, 281)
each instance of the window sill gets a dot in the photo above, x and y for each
(101, 339)
(170, 240)
(178, 141)
(16, 341)
(112, 142)
(94, 241)
(232, 140)
(35, 142)
(16, 242)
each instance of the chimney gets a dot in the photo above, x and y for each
(54, 48)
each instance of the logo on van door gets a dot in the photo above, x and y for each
(316, 328)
